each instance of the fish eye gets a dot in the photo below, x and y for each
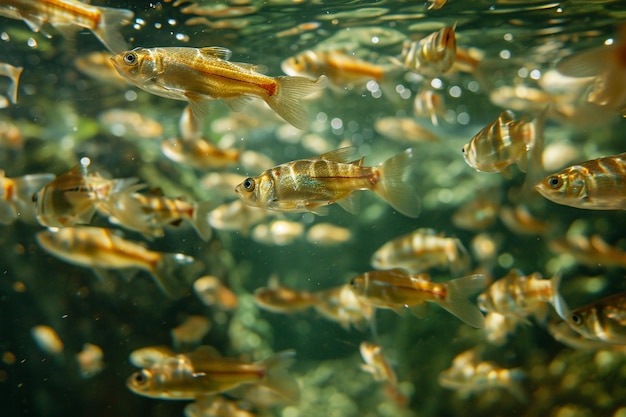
(35, 197)
(577, 319)
(248, 184)
(130, 58)
(555, 181)
(140, 378)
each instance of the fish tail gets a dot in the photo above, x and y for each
(173, 271)
(558, 302)
(278, 379)
(286, 101)
(15, 80)
(396, 395)
(108, 29)
(392, 187)
(457, 300)
(200, 218)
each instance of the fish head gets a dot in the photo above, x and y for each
(469, 154)
(258, 191)
(138, 65)
(141, 382)
(568, 187)
(302, 64)
(584, 321)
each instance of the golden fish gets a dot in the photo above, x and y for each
(277, 233)
(603, 320)
(597, 184)
(204, 372)
(498, 327)
(13, 73)
(327, 234)
(189, 334)
(592, 251)
(11, 135)
(217, 406)
(468, 375)
(519, 220)
(520, 295)
(73, 197)
(420, 250)
(212, 292)
(236, 216)
(90, 360)
(98, 66)
(504, 142)
(377, 365)
(310, 185)
(342, 69)
(396, 289)
(281, 299)
(403, 130)
(340, 304)
(148, 213)
(199, 75)
(69, 15)
(428, 103)
(199, 153)
(148, 356)
(607, 64)
(130, 124)
(102, 250)
(16, 196)
(433, 55)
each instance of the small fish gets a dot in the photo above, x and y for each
(327, 234)
(8, 70)
(562, 332)
(69, 15)
(212, 292)
(343, 70)
(16, 196)
(130, 124)
(428, 103)
(236, 216)
(148, 213)
(48, 340)
(420, 250)
(188, 335)
(404, 130)
(310, 185)
(217, 406)
(504, 142)
(597, 184)
(607, 64)
(396, 289)
(73, 197)
(591, 251)
(98, 66)
(604, 319)
(277, 233)
(197, 75)
(281, 299)
(199, 153)
(519, 220)
(377, 365)
(341, 305)
(468, 375)
(498, 327)
(203, 372)
(520, 295)
(11, 136)
(90, 360)
(433, 55)
(102, 250)
(479, 213)
(435, 4)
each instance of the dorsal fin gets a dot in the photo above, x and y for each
(340, 155)
(217, 52)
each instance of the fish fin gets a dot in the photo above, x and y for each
(278, 380)
(321, 210)
(8, 214)
(457, 300)
(258, 68)
(392, 187)
(419, 310)
(200, 218)
(172, 272)
(460, 258)
(286, 102)
(198, 104)
(238, 103)
(15, 80)
(522, 163)
(128, 185)
(558, 302)
(541, 313)
(217, 52)
(67, 30)
(108, 29)
(350, 203)
(589, 63)
(342, 155)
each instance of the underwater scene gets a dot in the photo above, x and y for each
(301, 208)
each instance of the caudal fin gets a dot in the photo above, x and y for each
(108, 29)
(392, 187)
(174, 272)
(457, 300)
(287, 100)
(200, 218)
(279, 381)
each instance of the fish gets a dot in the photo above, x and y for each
(197, 75)
(310, 185)
(340, 304)
(48, 340)
(149, 213)
(199, 153)
(520, 295)
(327, 234)
(468, 375)
(420, 250)
(479, 213)
(597, 184)
(11, 136)
(102, 250)
(519, 220)
(217, 406)
(67, 16)
(503, 142)
(396, 289)
(343, 69)
(204, 372)
(377, 365)
(403, 130)
(236, 216)
(147, 356)
(280, 299)
(188, 335)
(277, 233)
(607, 65)
(498, 327)
(16, 196)
(130, 124)
(432, 55)
(428, 103)
(73, 197)
(90, 360)
(592, 251)
(603, 320)
(212, 292)
(14, 73)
